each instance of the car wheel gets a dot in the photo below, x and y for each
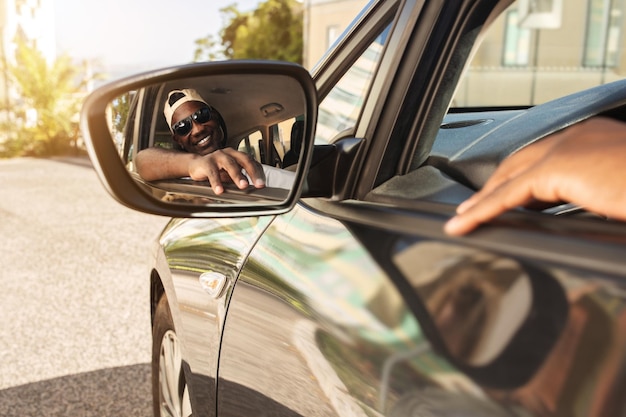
(170, 395)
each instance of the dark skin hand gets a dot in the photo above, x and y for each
(582, 164)
(204, 159)
(224, 165)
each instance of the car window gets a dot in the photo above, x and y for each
(340, 109)
(528, 58)
(525, 60)
(284, 139)
(252, 144)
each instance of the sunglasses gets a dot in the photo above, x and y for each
(183, 127)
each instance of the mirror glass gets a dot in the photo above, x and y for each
(156, 129)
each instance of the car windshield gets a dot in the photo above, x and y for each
(537, 51)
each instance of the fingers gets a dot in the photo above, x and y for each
(226, 165)
(579, 165)
(517, 163)
(202, 168)
(509, 169)
(489, 205)
(500, 192)
(524, 178)
(252, 167)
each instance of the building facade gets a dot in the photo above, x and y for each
(324, 22)
(531, 53)
(535, 60)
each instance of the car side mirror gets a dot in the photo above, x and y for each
(262, 104)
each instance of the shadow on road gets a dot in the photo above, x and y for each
(123, 391)
(82, 161)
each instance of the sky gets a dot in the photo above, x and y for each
(137, 35)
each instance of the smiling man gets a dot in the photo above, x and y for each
(196, 127)
(200, 133)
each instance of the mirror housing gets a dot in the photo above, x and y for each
(130, 190)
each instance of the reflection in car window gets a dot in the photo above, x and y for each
(280, 141)
(121, 122)
(252, 145)
(341, 107)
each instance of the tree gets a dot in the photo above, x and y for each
(208, 49)
(44, 121)
(273, 31)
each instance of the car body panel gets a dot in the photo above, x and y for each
(320, 325)
(187, 250)
(307, 310)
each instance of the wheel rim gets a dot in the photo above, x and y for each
(173, 392)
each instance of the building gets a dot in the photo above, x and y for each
(535, 57)
(328, 17)
(531, 53)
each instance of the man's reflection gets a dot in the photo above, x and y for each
(200, 134)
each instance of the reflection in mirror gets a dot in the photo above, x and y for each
(477, 300)
(172, 136)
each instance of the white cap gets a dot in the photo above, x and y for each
(176, 98)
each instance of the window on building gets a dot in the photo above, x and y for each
(516, 42)
(603, 35)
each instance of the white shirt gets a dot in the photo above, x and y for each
(278, 178)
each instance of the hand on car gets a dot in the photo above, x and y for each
(225, 165)
(582, 164)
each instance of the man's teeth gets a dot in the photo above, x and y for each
(203, 141)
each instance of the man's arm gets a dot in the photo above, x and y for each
(217, 167)
(159, 164)
(582, 164)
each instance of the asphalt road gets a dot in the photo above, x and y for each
(74, 318)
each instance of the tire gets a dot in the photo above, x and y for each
(170, 394)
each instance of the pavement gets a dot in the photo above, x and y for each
(74, 313)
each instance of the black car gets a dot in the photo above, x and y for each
(342, 295)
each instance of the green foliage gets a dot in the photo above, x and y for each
(120, 110)
(273, 31)
(44, 121)
(207, 49)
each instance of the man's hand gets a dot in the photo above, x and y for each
(225, 165)
(582, 164)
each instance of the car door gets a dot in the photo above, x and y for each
(359, 304)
